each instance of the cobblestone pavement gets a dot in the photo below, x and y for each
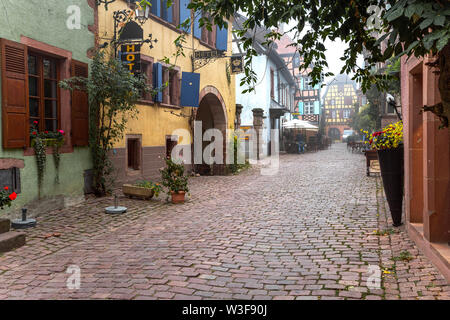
(312, 231)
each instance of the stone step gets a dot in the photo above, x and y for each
(11, 240)
(5, 225)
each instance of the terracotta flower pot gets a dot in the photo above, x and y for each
(391, 165)
(178, 197)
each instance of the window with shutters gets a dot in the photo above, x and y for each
(30, 93)
(347, 113)
(309, 107)
(43, 92)
(171, 86)
(147, 70)
(209, 36)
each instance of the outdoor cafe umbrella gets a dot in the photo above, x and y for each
(299, 124)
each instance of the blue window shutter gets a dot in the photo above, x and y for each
(157, 81)
(190, 89)
(300, 107)
(156, 7)
(316, 107)
(167, 12)
(302, 83)
(222, 39)
(197, 29)
(185, 13)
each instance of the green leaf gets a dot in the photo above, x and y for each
(411, 46)
(395, 14)
(439, 21)
(410, 10)
(426, 23)
(428, 41)
(442, 42)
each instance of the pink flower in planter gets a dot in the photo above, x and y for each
(62, 132)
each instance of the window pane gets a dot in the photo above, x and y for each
(32, 65)
(49, 69)
(33, 86)
(51, 125)
(50, 109)
(50, 89)
(34, 107)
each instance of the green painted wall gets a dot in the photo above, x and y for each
(45, 21)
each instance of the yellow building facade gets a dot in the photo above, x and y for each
(149, 138)
(339, 105)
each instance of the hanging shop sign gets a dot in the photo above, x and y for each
(209, 54)
(131, 57)
(237, 65)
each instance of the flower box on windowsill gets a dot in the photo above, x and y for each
(49, 142)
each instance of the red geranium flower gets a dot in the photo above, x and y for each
(6, 188)
(35, 122)
(46, 131)
(13, 196)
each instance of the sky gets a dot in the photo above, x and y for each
(335, 50)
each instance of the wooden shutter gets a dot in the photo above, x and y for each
(221, 39)
(190, 89)
(157, 81)
(156, 7)
(185, 14)
(301, 105)
(14, 72)
(197, 29)
(80, 107)
(167, 13)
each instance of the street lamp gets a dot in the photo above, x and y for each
(142, 14)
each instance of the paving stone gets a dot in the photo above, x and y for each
(245, 236)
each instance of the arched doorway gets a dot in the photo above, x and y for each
(212, 114)
(334, 134)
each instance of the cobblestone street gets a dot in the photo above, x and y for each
(310, 232)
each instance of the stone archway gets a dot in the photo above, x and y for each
(212, 113)
(334, 133)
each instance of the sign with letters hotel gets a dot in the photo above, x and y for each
(131, 57)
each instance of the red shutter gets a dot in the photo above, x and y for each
(80, 107)
(14, 71)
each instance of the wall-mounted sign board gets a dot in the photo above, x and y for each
(237, 65)
(131, 57)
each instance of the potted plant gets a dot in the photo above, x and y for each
(6, 197)
(142, 189)
(389, 146)
(174, 179)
